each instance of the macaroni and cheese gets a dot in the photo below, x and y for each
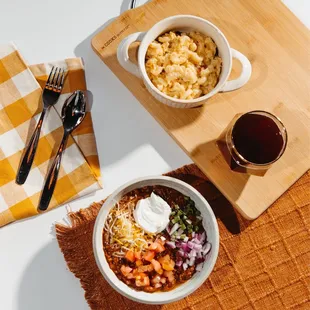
(183, 65)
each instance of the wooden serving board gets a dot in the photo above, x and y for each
(277, 44)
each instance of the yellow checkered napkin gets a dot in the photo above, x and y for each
(20, 107)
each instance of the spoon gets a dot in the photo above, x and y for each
(72, 114)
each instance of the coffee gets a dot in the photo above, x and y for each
(258, 138)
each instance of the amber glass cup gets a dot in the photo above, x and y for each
(256, 140)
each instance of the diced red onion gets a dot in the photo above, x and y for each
(180, 232)
(168, 229)
(199, 267)
(162, 238)
(171, 244)
(191, 261)
(196, 240)
(200, 260)
(184, 246)
(174, 228)
(179, 263)
(206, 249)
(181, 252)
(198, 236)
(190, 244)
(192, 253)
(203, 237)
(197, 247)
(205, 246)
(178, 243)
(189, 221)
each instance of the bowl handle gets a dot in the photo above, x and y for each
(244, 76)
(122, 53)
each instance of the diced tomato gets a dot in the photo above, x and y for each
(157, 247)
(157, 266)
(139, 262)
(146, 281)
(135, 273)
(150, 268)
(130, 276)
(130, 255)
(167, 263)
(162, 242)
(153, 246)
(158, 285)
(170, 276)
(143, 281)
(149, 255)
(125, 270)
(146, 268)
(142, 268)
(160, 248)
(141, 275)
(156, 279)
(150, 289)
(138, 255)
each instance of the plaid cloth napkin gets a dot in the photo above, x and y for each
(20, 107)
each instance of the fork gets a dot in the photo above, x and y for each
(51, 93)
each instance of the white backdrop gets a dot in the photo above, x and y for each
(33, 274)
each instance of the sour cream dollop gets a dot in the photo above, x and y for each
(152, 214)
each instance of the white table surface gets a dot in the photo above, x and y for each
(33, 273)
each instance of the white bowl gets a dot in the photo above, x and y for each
(181, 291)
(184, 23)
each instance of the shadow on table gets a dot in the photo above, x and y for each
(121, 125)
(47, 284)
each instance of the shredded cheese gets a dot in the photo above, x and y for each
(124, 231)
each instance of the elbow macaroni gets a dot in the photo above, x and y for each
(183, 66)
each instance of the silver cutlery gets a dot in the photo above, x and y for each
(73, 113)
(51, 93)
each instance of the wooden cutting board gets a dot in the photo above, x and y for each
(277, 44)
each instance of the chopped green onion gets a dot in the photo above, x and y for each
(189, 210)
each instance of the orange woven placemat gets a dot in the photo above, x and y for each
(263, 264)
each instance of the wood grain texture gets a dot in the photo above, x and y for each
(278, 45)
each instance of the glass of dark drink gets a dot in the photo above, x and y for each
(256, 140)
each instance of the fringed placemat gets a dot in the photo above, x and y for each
(263, 264)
